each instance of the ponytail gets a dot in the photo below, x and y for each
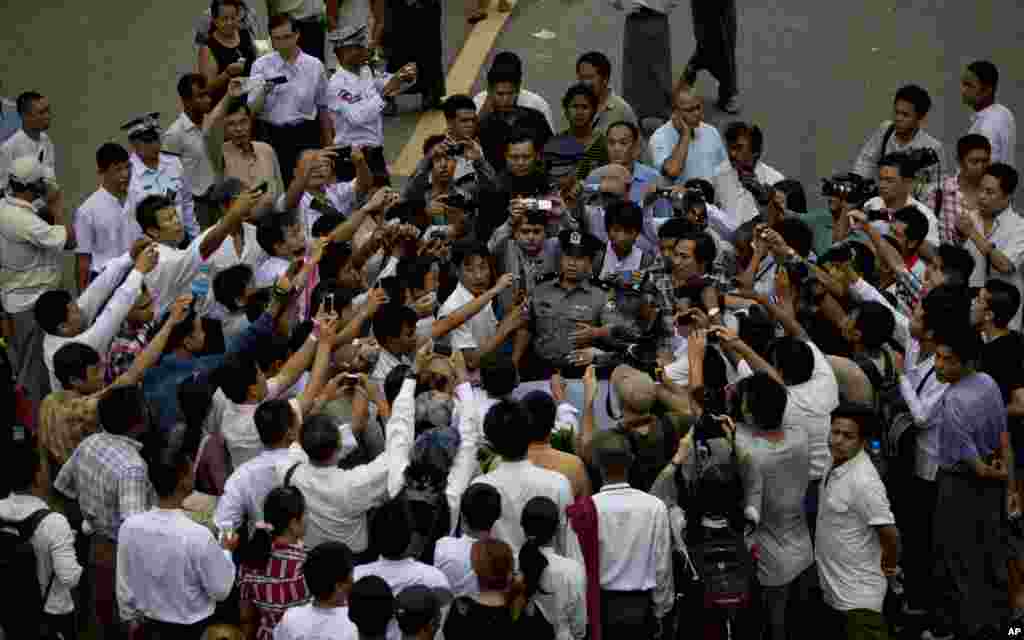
(532, 564)
(539, 522)
(283, 504)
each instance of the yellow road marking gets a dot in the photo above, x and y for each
(460, 79)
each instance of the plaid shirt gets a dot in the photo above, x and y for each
(279, 586)
(108, 477)
(948, 202)
(126, 346)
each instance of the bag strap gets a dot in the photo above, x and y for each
(924, 380)
(885, 141)
(290, 473)
(27, 529)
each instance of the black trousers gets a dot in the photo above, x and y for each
(312, 38)
(289, 141)
(647, 64)
(715, 28)
(415, 36)
(156, 630)
(627, 614)
(915, 517)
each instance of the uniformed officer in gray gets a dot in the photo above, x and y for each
(568, 317)
(156, 172)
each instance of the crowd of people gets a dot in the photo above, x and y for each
(609, 381)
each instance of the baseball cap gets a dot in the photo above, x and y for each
(415, 607)
(143, 128)
(349, 36)
(578, 243)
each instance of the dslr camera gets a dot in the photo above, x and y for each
(849, 187)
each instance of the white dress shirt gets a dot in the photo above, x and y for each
(401, 574)
(170, 568)
(355, 103)
(846, 546)
(876, 204)
(518, 481)
(919, 386)
(100, 330)
(337, 500)
(186, 139)
(1007, 235)
(452, 556)
(104, 228)
(20, 145)
(54, 546)
(810, 407)
(525, 98)
(562, 596)
(997, 123)
(169, 175)
(734, 200)
(297, 100)
(247, 488)
(235, 422)
(478, 329)
(635, 544)
(31, 253)
(310, 622)
(174, 271)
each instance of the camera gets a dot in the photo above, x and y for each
(537, 204)
(922, 158)
(761, 191)
(456, 149)
(849, 187)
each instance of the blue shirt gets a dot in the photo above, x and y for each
(706, 151)
(970, 417)
(161, 382)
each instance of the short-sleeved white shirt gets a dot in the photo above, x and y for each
(810, 405)
(847, 549)
(475, 331)
(105, 228)
(297, 100)
(1008, 236)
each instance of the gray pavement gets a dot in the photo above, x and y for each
(817, 76)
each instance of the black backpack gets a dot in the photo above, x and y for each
(21, 609)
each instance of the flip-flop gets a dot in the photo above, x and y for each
(477, 17)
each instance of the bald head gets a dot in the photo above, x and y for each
(635, 389)
(689, 106)
(616, 179)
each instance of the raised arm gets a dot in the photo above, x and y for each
(464, 465)
(382, 200)
(585, 438)
(443, 326)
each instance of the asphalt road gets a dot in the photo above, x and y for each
(817, 76)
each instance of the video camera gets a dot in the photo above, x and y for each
(849, 187)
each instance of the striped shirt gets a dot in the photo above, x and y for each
(279, 586)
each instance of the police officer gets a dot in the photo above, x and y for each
(156, 172)
(356, 96)
(568, 316)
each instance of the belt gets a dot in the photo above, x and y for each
(644, 12)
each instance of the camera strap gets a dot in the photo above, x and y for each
(885, 141)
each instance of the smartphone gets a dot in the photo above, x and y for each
(329, 303)
(544, 205)
(277, 80)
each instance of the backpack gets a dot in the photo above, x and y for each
(885, 383)
(22, 608)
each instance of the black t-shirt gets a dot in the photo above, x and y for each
(1003, 359)
(470, 620)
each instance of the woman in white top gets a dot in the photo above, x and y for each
(554, 583)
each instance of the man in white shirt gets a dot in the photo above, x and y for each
(96, 317)
(104, 226)
(394, 327)
(895, 184)
(478, 336)
(177, 268)
(996, 234)
(736, 181)
(481, 508)
(635, 560)
(338, 605)
(171, 573)
(292, 102)
(356, 96)
(30, 255)
(391, 532)
(52, 538)
(524, 98)
(247, 487)
(243, 386)
(517, 479)
(195, 142)
(156, 172)
(903, 133)
(857, 543)
(31, 139)
(978, 88)
(813, 394)
(338, 500)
